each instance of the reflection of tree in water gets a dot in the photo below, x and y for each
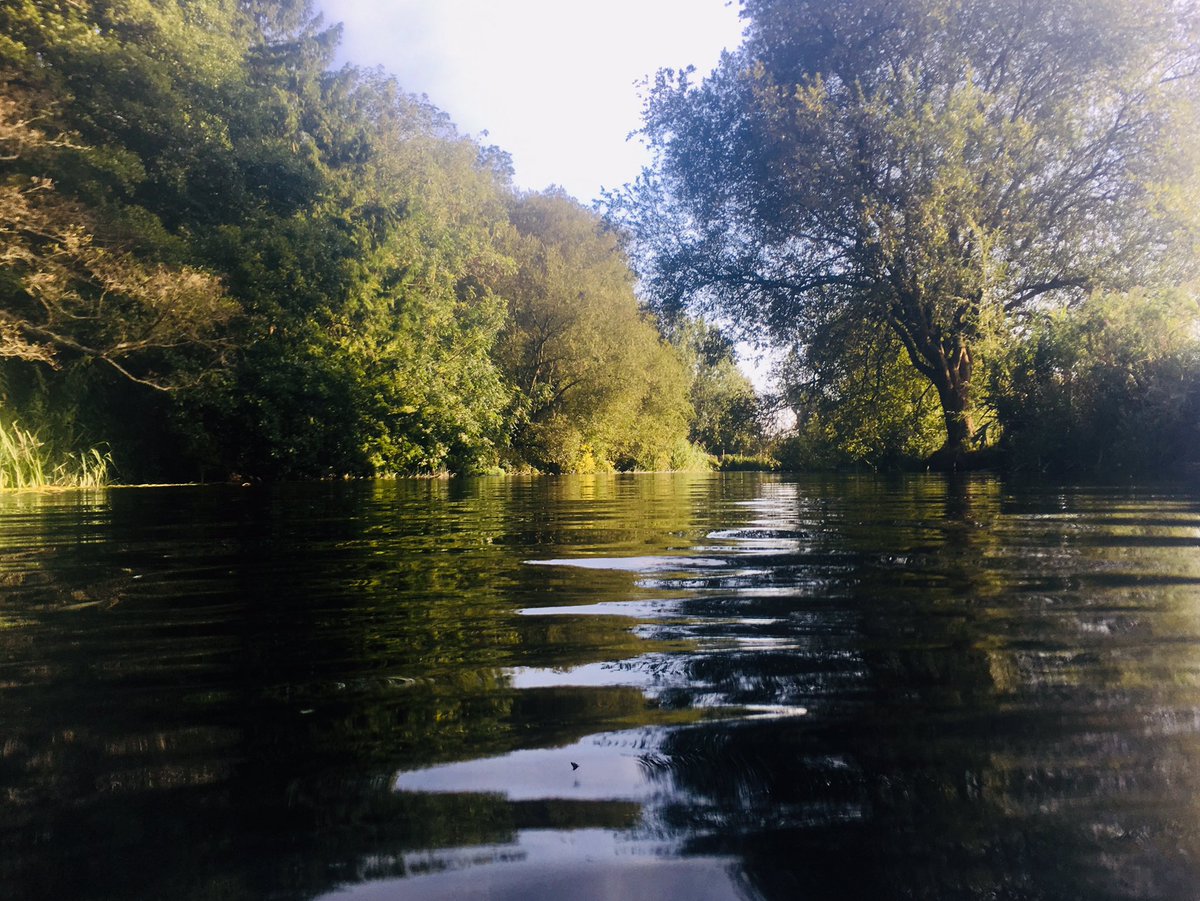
(980, 725)
(231, 728)
(1001, 687)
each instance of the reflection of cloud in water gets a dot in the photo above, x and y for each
(660, 676)
(724, 619)
(772, 711)
(579, 863)
(541, 865)
(760, 540)
(742, 551)
(728, 580)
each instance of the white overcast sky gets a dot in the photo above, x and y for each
(553, 82)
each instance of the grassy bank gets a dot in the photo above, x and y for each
(27, 462)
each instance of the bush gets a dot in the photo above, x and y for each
(1112, 385)
(747, 463)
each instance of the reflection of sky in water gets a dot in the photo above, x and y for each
(573, 863)
(636, 609)
(717, 607)
(545, 865)
(612, 766)
(626, 765)
(644, 672)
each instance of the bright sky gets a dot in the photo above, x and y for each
(553, 82)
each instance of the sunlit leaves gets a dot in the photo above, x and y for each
(596, 385)
(201, 179)
(66, 292)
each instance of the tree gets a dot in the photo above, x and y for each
(857, 400)
(185, 182)
(595, 384)
(941, 166)
(423, 316)
(727, 412)
(373, 306)
(1112, 384)
(216, 154)
(67, 291)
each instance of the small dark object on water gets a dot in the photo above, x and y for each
(574, 765)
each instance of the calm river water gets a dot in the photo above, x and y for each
(609, 687)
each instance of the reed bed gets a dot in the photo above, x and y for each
(26, 462)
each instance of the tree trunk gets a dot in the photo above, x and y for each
(954, 394)
(947, 362)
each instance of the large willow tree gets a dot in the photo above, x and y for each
(936, 165)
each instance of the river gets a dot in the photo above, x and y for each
(596, 687)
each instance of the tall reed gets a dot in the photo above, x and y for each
(26, 462)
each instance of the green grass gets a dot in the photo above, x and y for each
(25, 462)
(747, 463)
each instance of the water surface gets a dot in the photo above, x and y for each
(769, 687)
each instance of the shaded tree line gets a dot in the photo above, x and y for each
(223, 255)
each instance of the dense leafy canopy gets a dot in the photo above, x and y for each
(728, 415)
(72, 287)
(1111, 386)
(323, 273)
(938, 166)
(866, 407)
(222, 256)
(595, 384)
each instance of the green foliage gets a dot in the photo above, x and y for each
(71, 288)
(222, 256)
(373, 312)
(728, 414)
(748, 463)
(687, 457)
(319, 272)
(596, 387)
(1112, 385)
(25, 462)
(922, 164)
(21, 463)
(349, 221)
(858, 401)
